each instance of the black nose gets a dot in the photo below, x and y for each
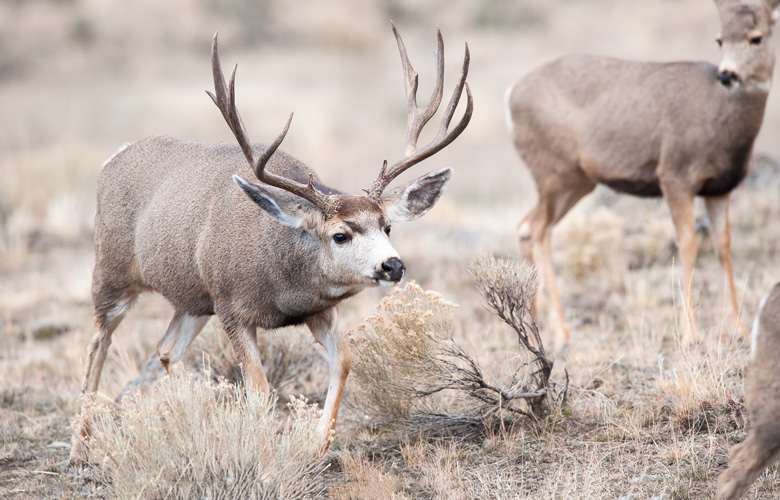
(394, 268)
(727, 77)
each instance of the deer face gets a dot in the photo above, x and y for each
(355, 248)
(747, 54)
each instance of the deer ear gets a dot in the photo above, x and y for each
(285, 212)
(416, 198)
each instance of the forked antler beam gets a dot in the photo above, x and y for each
(417, 117)
(225, 99)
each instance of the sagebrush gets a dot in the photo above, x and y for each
(195, 439)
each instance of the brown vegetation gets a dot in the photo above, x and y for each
(646, 417)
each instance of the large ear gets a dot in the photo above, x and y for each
(288, 210)
(416, 198)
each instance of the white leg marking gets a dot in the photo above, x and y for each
(524, 231)
(182, 331)
(118, 310)
(754, 333)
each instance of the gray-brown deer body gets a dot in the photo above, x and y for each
(184, 243)
(677, 130)
(762, 446)
(179, 217)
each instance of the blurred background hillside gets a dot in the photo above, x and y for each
(78, 78)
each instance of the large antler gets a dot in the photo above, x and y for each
(225, 99)
(417, 117)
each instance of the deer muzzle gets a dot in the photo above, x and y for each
(728, 78)
(393, 268)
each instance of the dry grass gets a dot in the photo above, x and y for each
(646, 416)
(194, 439)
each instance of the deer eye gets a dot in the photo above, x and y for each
(719, 41)
(387, 230)
(340, 238)
(755, 40)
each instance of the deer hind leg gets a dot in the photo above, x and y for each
(177, 339)
(718, 215)
(108, 315)
(681, 209)
(325, 329)
(539, 223)
(746, 461)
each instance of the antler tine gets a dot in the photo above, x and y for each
(450, 111)
(225, 99)
(269, 151)
(417, 117)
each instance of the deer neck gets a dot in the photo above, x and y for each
(743, 112)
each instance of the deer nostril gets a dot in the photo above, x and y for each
(727, 77)
(394, 267)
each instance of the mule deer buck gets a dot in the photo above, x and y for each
(677, 130)
(762, 446)
(282, 251)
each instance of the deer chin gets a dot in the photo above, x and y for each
(379, 280)
(385, 283)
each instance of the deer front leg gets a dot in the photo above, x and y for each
(243, 338)
(325, 329)
(542, 251)
(681, 209)
(526, 247)
(718, 215)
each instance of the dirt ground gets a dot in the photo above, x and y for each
(647, 417)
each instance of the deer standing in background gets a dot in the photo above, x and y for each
(282, 251)
(762, 446)
(677, 130)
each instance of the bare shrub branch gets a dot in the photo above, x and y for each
(509, 288)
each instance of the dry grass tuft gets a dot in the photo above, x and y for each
(410, 375)
(364, 480)
(194, 439)
(697, 391)
(581, 251)
(394, 350)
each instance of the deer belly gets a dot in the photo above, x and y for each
(637, 187)
(638, 181)
(724, 181)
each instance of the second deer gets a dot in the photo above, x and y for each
(677, 130)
